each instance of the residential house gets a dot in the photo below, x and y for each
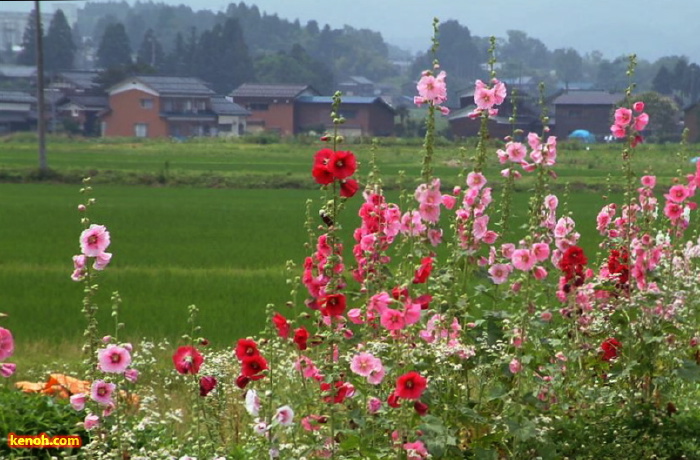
(232, 117)
(76, 82)
(364, 116)
(18, 77)
(357, 86)
(272, 107)
(527, 116)
(17, 111)
(81, 113)
(589, 110)
(163, 106)
(691, 121)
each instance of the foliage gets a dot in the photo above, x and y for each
(114, 49)
(28, 54)
(150, 51)
(60, 49)
(664, 116)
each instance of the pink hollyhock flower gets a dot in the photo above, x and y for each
(313, 422)
(499, 91)
(101, 392)
(523, 259)
(363, 364)
(79, 261)
(102, 260)
(355, 316)
(618, 131)
(484, 98)
(673, 211)
(623, 116)
(377, 374)
(448, 201)
(373, 405)
(546, 316)
(444, 110)
(132, 375)
(476, 180)
(649, 181)
(7, 369)
(284, 416)
(91, 421)
(187, 360)
(641, 121)
(533, 140)
(419, 101)
(677, 193)
(539, 273)
(416, 450)
(552, 202)
(540, 251)
(7, 344)
(94, 240)
(207, 383)
(77, 401)
(435, 236)
(307, 367)
(638, 106)
(516, 152)
(392, 320)
(261, 428)
(113, 359)
(433, 89)
(499, 273)
(410, 385)
(252, 403)
(515, 366)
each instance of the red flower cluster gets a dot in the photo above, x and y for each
(187, 360)
(301, 335)
(618, 268)
(410, 386)
(206, 384)
(423, 272)
(610, 348)
(330, 165)
(337, 392)
(573, 263)
(252, 362)
(333, 305)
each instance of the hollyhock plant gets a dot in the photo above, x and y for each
(113, 359)
(301, 336)
(410, 385)
(91, 422)
(281, 324)
(207, 383)
(284, 416)
(610, 348)
(94, 240)
(252, 403)
(77, 401)
(252, 366)
(7, 344)
(187, 360)
(342, 164)
(246, 348)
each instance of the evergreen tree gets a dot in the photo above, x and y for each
(28, 54)
(568, 64)
(663, 81)
(60, 48)
(236, 59)
(114, 47)
(151, 52)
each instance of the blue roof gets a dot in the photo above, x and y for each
(345, 100)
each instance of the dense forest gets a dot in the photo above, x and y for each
(243, 44)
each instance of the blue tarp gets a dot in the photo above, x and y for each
(583, 135)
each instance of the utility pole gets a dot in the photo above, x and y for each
(41, 122)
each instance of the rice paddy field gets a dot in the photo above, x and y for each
(214, 224)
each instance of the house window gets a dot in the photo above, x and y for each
(259, 106)
(141, 130)
(146, 103)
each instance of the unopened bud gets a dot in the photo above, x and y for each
(81, 207)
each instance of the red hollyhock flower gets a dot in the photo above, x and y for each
(281, 324)
(342, 390)
(423, 272)
(187, 360)
(393, 400)
(206, 384)
(242, 381)
(610, 348)
(399, 293)
(320, 168)
(342, 164)
(348, 188)
(573, 256)
(333, 305)
(246, 348)
(424, 301)
(410, 385)
(253, 365)
(301, 335)
(420, 407)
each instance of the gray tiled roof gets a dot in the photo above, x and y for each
(222, 106)
(89, 101)
(17, 71)
(176, 85)
(82, 79)
(589, 98)
(16, 96)
(346, 100)
(270, 90)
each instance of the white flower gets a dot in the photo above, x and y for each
(284, 415)
(252, 403)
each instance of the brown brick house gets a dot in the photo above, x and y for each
(272, 107)
(162, 106)
(364, 116)
(590, 110)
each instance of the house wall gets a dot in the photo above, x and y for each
(381, 121)
(238, 125)
(127, 112)
(279, 116)
(692, 122)
(594, 118)
(360, 119)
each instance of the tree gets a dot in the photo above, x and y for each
(663, 115)
(28, 54)
(60, 48)
(568, 65)
(114, 50)
(663, 81)
(151, 52)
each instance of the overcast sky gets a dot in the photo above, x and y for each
(650, 28)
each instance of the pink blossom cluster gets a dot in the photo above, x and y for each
(368, 366)
(627, 123)
(472, 220)
(487, 97)
(541, 153)
(432, 89)
(437, 331)
(318, 270)
(394, 311)
(7, 348)
(380, 225)
(93, 243)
